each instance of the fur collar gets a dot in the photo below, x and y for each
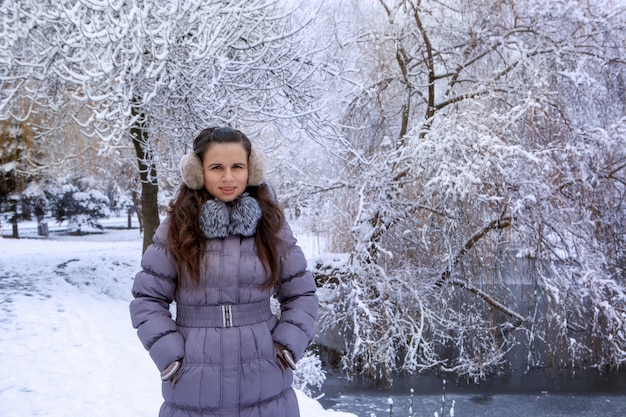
(238, 218)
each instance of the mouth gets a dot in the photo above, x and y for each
(228, 190)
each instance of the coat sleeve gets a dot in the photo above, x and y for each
(297, 297)
(153, 292)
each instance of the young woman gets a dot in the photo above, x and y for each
(221, 253)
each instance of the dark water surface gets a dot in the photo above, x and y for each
(537, 394)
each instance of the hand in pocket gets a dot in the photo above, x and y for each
(285, 358)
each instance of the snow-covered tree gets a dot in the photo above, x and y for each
(10, 151)
(152, 73)
(490, 168)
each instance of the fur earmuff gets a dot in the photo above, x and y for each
(191, 171)
(256, 168)
(193, 174)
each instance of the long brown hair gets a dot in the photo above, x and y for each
(186, 240)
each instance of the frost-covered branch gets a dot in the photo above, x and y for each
(498, 224)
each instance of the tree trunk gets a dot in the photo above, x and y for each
(137, 204)
(149, 184)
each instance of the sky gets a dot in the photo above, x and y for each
(67, 347)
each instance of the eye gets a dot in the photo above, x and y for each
(215, 167)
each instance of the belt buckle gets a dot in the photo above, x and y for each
(227, 316)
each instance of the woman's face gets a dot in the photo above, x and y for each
(225, 168)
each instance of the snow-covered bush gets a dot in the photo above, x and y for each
(34, 202)
(309, 375)
(78, 203)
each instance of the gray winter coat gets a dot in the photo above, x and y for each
(224, 330)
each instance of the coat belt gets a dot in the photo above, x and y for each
(225, 315)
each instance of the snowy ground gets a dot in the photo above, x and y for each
(66, 344)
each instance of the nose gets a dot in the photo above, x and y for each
(228, 174)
